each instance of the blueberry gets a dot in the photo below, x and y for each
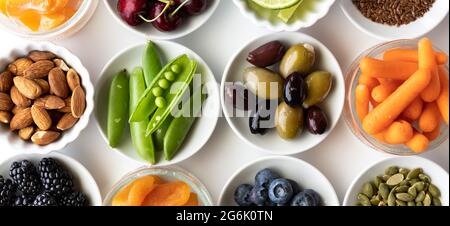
(306, 198)
(295, 186)
(242, 195)
(259, 196)
(280, 191)
(264, 177)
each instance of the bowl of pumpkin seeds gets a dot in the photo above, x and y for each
(400, 181)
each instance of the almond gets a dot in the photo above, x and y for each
(5, 117)
(19, 66)
(44, 85)
(16, 109)
(26, 133)
(68, 107)
(41, 55)
(61, 64)
(28, 87)
(21, 120)
(67, 122)
(45, 137)
(19, 99)
(73, 79)
(41, 117)
(58, 83)
(6, 81)
(6, 103)
(40, 69)
(78, 102)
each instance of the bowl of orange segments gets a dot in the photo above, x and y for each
(158, 186)
(45, 19)
(397, 97)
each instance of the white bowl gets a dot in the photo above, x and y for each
(439, 176)
(307, 17)
(130, 58)
(271, 143)
(12, 140)
(147, 30)
(413, 30)
(83, 180)
(306, 175)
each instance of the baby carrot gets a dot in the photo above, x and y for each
(433, 135)
(398, 70)
(414, 110)
(411, 55)
(419, 143)
(383, 91)
(362, 99)
(442, 101)
(383, 115)
(370, 82)
(427, 60)
(399, 132)
(380, 137)
(430, 118)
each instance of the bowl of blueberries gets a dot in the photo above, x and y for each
(278, 181)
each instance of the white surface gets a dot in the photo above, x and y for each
(439, 176)
(306, 175)
(12, 140)
(333, 105)
(341, 157)
(203, 127)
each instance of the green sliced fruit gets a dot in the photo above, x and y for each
(286, 14)
(276, 4)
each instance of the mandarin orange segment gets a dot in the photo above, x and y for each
(3, 6)
(140, 189)
(31, 19)
(121, 198)
(49, 22)
(170, 194)
(193, 200)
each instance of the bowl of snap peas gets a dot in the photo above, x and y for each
(157, 103)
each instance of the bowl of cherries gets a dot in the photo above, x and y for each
(162, 19)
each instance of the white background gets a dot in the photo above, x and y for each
(341, 157)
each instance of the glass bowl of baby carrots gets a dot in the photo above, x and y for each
(397, 97)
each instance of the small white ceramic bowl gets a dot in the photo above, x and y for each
(83, 180)
(439, 176)
(413, 30)
(12, 140)
(306, 175)
(307, 16)
(271, 143)
(132, 57)
(147, 30)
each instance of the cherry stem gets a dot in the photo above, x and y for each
(179, 7)
(168, 3)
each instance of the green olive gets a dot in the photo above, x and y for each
(299, 58)
(289, 121)
(319, 86)
(264, 83)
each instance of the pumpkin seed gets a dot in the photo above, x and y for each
(425, 178)
(385, 177)
(412, 181)
(395, 179)
(378, 180)
(383, 190)
(437, 202)
(404, 183)
(367, 190)
(375, 201)
(400, 203)
(420, 186)
(405, 197)
(412, 191)
(402, 189)
(382, 203)
(427, 200)
(414, 173)
(411, 203)
(419, 204)
(434, 191)
(403, 171)
(391, 170)
(391, 198)
(420, 196)
(364, 200)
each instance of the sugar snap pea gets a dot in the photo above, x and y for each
(160, 133)
(151, 63)
(118, 107)
(143, 145)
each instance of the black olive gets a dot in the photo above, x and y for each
(316, 121)
(263, 119)
(295, 90)
(267, 55)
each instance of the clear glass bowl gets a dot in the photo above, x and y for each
(167, 174)
(350, 115)
(70, 27)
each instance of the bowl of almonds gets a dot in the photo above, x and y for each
(46, 98)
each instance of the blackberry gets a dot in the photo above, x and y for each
(24, 200)
(45, 199)
(76, 199)
(7, 192)
(55, 179)
(25, 176)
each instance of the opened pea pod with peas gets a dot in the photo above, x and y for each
(160, 104)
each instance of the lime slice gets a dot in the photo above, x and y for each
(276, 4)
(286, 14)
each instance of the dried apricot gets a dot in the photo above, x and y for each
(121, 198)
(170, 194)
(140, 189)
(193, 200)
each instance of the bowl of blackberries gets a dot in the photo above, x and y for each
(50, 180)
(278, 181)
(162, 19)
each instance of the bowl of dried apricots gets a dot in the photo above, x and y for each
(158, 186)
(397, 97)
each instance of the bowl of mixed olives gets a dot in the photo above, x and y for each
(283, 93)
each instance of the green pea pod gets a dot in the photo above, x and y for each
(142, 144)
(160, 133)
(180, 126)
(151, 63)
(118, 108)
(173, 98)
(146, 104)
